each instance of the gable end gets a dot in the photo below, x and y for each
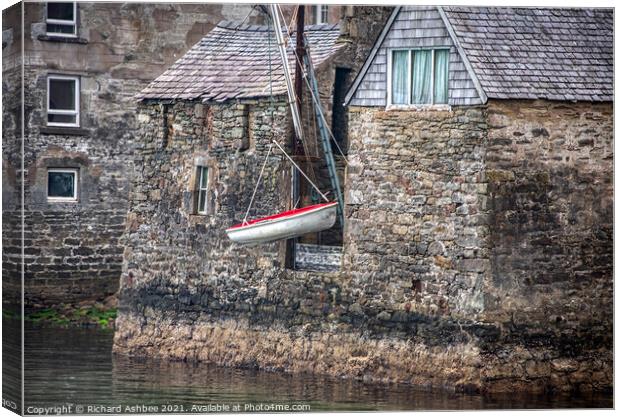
(414, 27)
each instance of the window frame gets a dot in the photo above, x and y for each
(76, 182)
(76, 100)
(318, 14)
(63, 22)
(409, 104)
(202, 170)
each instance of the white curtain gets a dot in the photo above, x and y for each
(421, 74)
(400, 60)
(441, 76)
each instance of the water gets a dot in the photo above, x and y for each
(75, 366)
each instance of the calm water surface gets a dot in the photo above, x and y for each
(75, 366)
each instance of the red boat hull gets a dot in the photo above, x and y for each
(285, 225)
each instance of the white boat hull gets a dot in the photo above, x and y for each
(286, 227)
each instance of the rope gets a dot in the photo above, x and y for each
(314, 98)
(305, 144)
(293, 48)
(277, 14)
(293, 19)
(260, 176)
(272, 108)
(329, 130)
(299, 169)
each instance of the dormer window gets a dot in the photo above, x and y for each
(61, 19)
(418, 77)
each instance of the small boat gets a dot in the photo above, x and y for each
(285, 225)
(298, 222)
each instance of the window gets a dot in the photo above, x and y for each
(62, 184)
(63, 100)
(61, 19)
(418, 76)
(202, 188)
(320, 14)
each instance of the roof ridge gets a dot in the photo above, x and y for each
(246, 27)
(232, 61)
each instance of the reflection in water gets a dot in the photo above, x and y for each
(75, 366)
(11, 364)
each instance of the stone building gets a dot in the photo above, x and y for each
(477, 246)
(83, 63)
(494, 188)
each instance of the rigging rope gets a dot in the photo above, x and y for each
(294, 50)
(260, 176)
(272, 109)
(299, 169)
(295, 109)
(314, 98)
(293, 19)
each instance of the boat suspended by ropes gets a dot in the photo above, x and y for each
(300, 221)
(285, 225)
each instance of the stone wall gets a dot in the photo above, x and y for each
(416, 200)
(119, 49)
(549, 169)
(186, 248)
(415, 301)
(500, 214)
(72, 250)
(11, 152)
(187, 293)
(443, 210)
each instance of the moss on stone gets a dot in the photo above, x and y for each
(69, 315)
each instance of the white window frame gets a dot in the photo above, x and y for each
(76, 173)
(202, 171)
(62, 22)
(410, 105)
(318, 14)
(76, 99)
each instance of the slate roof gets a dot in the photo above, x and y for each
(232, 61)
(529, 53)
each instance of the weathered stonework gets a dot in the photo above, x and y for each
(510, 227)
(476, 256)
(416, 298)
(549, 170)
(417, 200)
(72, 250)
(11, 163)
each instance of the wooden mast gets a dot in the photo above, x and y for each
(285, 68)
(295, 106)
(300, 50)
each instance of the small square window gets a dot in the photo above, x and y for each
(419, 76)
(61, 19)
(202, 188)
(63, 100)
(320, 14)
(62, 184)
